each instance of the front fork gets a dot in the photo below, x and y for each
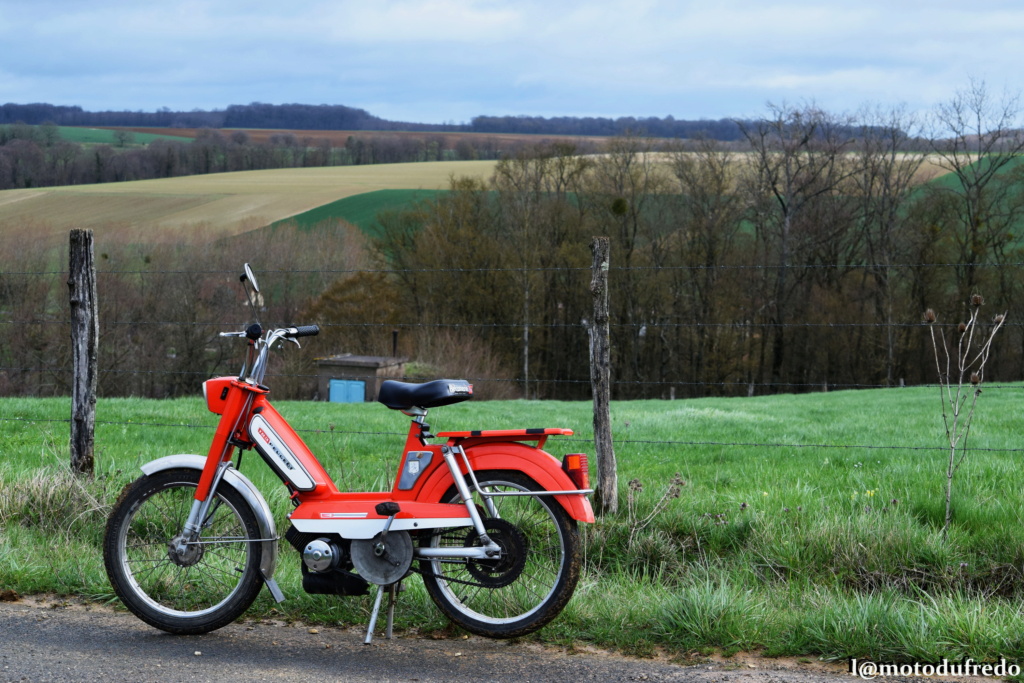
(238, 405)
(199, 511)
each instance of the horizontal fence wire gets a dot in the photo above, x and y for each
(799, 387)
(538, 269)
(650, 383)
(520, 325)
(717, 444)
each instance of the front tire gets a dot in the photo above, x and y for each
(533, 580)
(209, 585)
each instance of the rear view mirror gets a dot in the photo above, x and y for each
(251, 278)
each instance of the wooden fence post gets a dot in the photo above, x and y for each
(84, 336)
(606, 493)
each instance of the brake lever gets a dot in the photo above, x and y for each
(289, 339)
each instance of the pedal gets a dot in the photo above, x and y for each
(389, 508)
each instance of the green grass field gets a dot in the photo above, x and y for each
(807, 525)
(102, 136)
(361, 210)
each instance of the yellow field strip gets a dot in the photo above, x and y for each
(216, 205)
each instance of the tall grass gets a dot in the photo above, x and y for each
(799, 525)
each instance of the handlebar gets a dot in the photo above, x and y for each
(303, 331)
(256, 361)
(255, 332)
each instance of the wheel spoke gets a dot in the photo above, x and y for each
(146, 573)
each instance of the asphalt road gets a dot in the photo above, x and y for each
(44, 641)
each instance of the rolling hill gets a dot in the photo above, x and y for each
(207, 207)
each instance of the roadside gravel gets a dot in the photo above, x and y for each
(46, 639)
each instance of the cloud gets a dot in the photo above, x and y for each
(452, 59)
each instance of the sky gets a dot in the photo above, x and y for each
(446, 61)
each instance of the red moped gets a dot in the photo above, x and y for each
(487, 518)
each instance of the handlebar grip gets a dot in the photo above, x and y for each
(304, 331)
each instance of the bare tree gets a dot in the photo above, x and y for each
(709, 213)
(520, 184)
(799, 161)
(535, 222)
(981, 138)
(626, 192)
(123, 137)
(887, 174)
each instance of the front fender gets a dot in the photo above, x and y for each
(539, 465)
(240, 483)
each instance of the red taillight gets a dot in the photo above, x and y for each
(576, 466)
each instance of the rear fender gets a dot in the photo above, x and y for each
(240, 483)
(538, 465)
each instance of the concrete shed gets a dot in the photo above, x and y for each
(352, 379)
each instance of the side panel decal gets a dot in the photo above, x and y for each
(274, 450)
(416, 463)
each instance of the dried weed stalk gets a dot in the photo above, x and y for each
(639, 521)
(960, 377)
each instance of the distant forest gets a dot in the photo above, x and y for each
(36, 156)
(339, 117)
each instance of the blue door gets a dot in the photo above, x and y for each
(347, 391)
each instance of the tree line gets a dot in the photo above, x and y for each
(254, 115)
(36, 156)
(651, 126)
(802, 264)
(340, 117)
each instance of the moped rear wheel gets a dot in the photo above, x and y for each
(529, 584)
(205, 587)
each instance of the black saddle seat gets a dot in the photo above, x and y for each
(440, 392)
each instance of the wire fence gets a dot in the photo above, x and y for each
(18, 327)
(577, 440)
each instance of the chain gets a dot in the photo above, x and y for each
(431, 575)
(447, 579)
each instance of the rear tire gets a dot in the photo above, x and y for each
(533, 580)
(211, 584)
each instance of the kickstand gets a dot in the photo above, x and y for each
(391, 590)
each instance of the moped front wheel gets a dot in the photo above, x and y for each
(529, 584)
(205, 586)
